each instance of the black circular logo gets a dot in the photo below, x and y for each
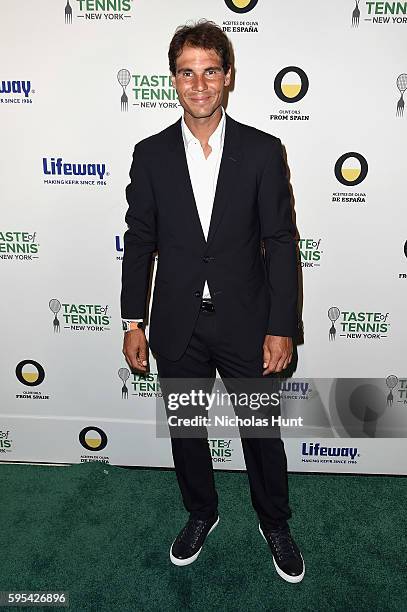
(93, 442)
(241, 6)
(405, 248)
(32, 376)
(352, 176)
(292, 94)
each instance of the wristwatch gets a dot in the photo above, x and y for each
(129, 325)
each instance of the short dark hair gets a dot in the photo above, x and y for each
(204, 34)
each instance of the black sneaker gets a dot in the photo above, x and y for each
(287, 558)
(190, 540)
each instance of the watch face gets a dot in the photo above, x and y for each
(125, 326)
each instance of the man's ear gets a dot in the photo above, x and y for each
(228, 76)
(172, 79)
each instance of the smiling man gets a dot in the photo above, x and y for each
(212, 195)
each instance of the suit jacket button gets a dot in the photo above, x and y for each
(197, 294)
(206, 259)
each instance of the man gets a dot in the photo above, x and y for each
(206, 192)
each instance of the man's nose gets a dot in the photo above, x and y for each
(199, 83)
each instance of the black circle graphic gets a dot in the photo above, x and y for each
(304, 84)
(405, 248)
(363, 168)
(232, 6)
(103, 438)
(20, 376)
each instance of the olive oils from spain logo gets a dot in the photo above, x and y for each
(291, 85)
(97, 10)
(16, 92)
(59, 172)
(30, 373)
(21, 246)
(143, 385)
(310, 252)
(350, 170)
(150, 91)
(95, 440)
(240, 7)
(79, 317)
(358, 325)
(378, 13)
(403, 275)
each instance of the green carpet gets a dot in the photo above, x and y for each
(103, 534)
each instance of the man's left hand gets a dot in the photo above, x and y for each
(277, 353)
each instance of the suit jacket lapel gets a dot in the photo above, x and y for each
(228, 175)
(186, 205)
(227, 179)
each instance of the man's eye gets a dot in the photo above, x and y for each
(186, 74)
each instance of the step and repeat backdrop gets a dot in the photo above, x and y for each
(81, 82)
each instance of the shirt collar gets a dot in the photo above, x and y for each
(215, 140)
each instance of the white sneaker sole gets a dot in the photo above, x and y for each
(182, 562)
(292, 579)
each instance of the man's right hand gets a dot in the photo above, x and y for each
(135, 349)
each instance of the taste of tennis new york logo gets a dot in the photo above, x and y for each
(239, 7)
(79, 317)
(350, 169)
(114, 11)
(291, 85)
(358, 325)
(147, 91)
(378, 13)
(21, 246)
(310, 252)
(142, 385)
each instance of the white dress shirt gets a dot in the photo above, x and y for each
(203, 174)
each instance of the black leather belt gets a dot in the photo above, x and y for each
(207, 304)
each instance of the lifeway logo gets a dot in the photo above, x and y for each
(358, 325)
(294, 389)
(59, 172)
(313, 452)
(16, 92)
(379, 13)
(98, 10)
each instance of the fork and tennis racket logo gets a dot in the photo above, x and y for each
(68, 13)
(401, 86)
(124, 76)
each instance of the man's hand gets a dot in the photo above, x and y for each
(135, 349)
(277, 353)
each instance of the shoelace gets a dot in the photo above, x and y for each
(283, 543)
(194, 526)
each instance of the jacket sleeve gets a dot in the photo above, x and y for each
(140, 240)
(278, 235)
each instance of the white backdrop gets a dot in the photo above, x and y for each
(61, 233)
